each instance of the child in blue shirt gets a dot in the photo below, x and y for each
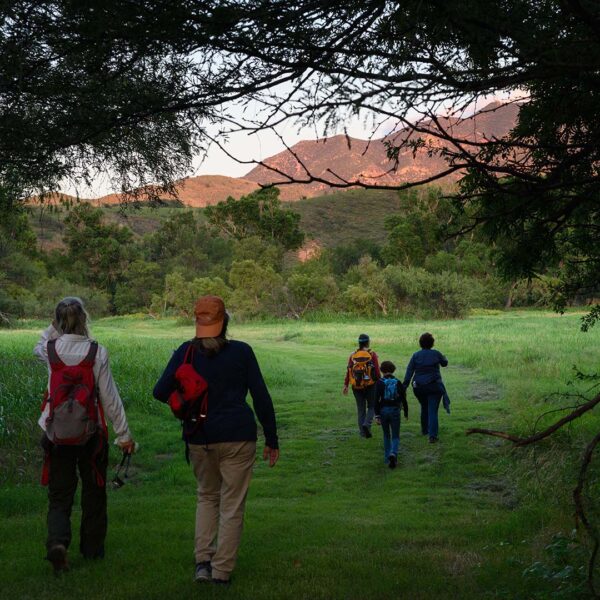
(390, 395)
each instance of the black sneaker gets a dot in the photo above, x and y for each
(221, 581)
(393, 461)
(203, 572)
(367, 431)
(57, 555)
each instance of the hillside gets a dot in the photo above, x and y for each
(342, 158)
(340, 218)
(203, 190)
(329, 220)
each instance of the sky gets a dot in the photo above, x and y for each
(241, 145)
(247, 148)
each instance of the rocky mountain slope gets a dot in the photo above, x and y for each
(341, 158)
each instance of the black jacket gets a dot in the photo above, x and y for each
(400, 399)
(230, 375)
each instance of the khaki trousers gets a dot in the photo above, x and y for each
(223, 472)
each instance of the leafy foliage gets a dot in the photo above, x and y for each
(257, 214)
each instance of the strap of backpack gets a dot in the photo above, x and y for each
(53, 357)
(189, 354)
(91, 355)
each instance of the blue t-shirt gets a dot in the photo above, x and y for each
(425, 365)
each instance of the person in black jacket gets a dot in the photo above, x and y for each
(424, 372)
(222, 448)
(390, 395)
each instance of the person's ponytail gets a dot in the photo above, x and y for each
(211, 346)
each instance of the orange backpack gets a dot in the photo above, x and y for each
(361, 369)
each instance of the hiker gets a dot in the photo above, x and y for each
(81, 392)
(390, 395)
(424, 371)
(362, 373)
(219, 431)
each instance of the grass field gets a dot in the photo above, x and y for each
(461, 519)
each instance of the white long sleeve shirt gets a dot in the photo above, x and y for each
(72, 349)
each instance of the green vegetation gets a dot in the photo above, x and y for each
(344, 218)
(468, 518)
(394, 259)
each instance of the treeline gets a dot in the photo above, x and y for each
(246, 251)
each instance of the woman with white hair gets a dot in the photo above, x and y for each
(81, 395)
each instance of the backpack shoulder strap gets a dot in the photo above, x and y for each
(189, 354)
(90, 357)
(55, 361)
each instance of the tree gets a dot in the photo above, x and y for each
(257, 214)
(140, 282)
(121, 88)
(309, 286)
(405, 63)
(180, 294)
(99, 254)
(369, 292)
(256, 288)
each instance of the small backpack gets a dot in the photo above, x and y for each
(189, 402)
(73, 399)
(361, 369)
(390, 392)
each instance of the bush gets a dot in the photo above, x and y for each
(51, 291)
(419, 292)
(534, 292)
(180, 294)
(308, 291)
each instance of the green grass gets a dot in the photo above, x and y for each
(461, 519)
(339, 218)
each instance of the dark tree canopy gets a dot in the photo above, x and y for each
(129, 87)
(536, 191)
(123, 88)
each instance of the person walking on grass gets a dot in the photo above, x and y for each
(424, 372)
(81, 393)
(362, 373)
(390, 395)
(219, 430)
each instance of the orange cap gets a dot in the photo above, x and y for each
(210, 316)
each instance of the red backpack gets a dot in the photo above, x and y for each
(190, 401)
(73, 400)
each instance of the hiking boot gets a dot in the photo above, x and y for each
(432, 440)
(367, 431)
(57, 555)
(203, 572)
(221, 581)
(393, 461)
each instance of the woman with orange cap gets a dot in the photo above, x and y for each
(222, 446)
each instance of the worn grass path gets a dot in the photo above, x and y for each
(330, 521)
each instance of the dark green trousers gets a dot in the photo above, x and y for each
(91, 461)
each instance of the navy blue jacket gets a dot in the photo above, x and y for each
(425, 365)
(230, 375)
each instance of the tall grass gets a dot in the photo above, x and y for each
(463, 519)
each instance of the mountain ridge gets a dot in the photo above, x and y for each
(341, 159)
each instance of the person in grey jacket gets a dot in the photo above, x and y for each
(73, 341)
(424, 372)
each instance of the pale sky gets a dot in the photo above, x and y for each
(255, 147)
